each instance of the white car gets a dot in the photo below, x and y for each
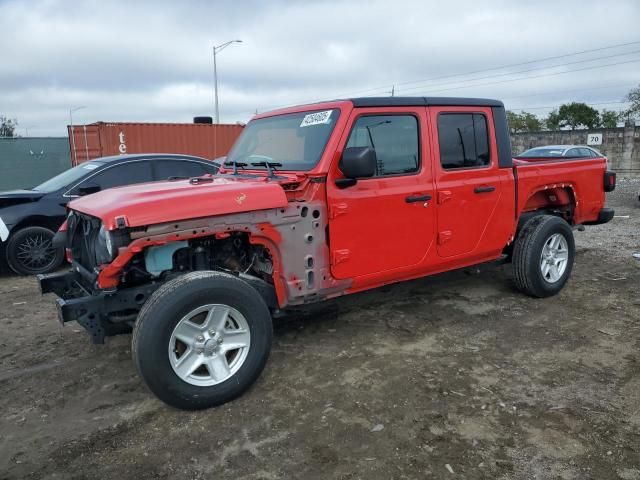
(553, 151)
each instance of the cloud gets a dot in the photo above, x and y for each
(152, 60)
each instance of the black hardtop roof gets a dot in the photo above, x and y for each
(424, 101)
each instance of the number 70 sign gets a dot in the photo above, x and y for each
(594, 139)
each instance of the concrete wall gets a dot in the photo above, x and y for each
(27, 162)
(621, 145)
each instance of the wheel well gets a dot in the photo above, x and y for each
(37, 221)
(558, 201)
(232, 252)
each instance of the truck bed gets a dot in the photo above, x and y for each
(583, 178)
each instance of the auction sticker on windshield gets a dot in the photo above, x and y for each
(316, 118)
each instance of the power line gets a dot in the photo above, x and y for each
(386, 87)
(529, 77)
(524, 63)
(628, 85)
(556, 106)
(531, 70)
(555, 57)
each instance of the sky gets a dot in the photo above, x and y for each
(151, 60)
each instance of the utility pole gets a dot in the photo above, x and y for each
(217, 49)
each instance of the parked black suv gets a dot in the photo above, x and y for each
(30, 218)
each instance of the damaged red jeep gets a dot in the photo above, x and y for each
(314, 202)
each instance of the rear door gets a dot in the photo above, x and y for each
(467, 177)
(385, 222)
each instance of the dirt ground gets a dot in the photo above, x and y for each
(454, 376)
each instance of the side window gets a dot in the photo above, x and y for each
(166, 169)
(464, 140)
(393, 137)
(123, 174)
(574, 152)
(585, 152)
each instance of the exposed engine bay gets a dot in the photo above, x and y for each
(233, 254)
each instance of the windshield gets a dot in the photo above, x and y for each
(67, 177)
(288, 142)
(542, 152)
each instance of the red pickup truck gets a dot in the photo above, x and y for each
(314, 202)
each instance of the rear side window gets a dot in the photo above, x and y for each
(170, 169)
(585, 152)
(464, 140)
(393, 137)
(574, 152)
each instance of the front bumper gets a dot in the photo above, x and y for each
(101, 313)
(604, 216)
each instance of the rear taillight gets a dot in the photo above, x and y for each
(609, 181)
(68, 255)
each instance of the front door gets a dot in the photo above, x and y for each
(386, 222)
(467, 177)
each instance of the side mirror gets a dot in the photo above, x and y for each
(357, 162)
(88, 189)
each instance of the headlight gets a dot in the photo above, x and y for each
(104, 246)
(108, 243)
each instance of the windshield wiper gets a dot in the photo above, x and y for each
(236, 165)
(270, 166)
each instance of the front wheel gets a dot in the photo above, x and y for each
(202, 339)
(30, 251)
(543, 256)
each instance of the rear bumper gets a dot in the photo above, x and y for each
(101, 313)
(605, 216)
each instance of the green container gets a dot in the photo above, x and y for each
(27, 162)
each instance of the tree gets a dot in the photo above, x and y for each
(633, 97)
(7, 126)
(609, 118)
(577, 114)
(512, 121)
(552, 122)
(523, 122)
(531, 122)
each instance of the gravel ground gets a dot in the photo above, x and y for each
(451, 376)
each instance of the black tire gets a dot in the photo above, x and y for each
(528, 251)
(167, 306)
(29, 251)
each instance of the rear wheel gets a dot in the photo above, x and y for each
(543, 256)
(202, 339)
(30, 251)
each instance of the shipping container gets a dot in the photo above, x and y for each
(102, 139)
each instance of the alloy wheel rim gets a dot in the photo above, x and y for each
(209, 345)
(36, 252)
(554, 258)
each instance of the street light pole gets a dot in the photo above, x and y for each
(74, 156)
(216, 50)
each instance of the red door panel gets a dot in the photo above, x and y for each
(466, 205)
(382, 223)
(467, 195)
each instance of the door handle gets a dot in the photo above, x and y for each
(487, 189)
(417, 198)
